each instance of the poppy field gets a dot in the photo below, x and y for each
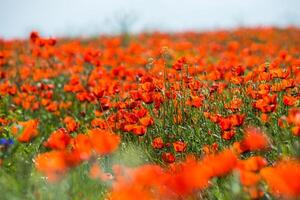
(151, 116)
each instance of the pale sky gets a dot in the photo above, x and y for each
(90, 17)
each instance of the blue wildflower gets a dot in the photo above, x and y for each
(6, 142)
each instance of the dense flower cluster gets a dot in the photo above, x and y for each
(203, 107)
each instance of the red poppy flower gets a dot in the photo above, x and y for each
(29, 130)
(168, 157)
(158, 143)
(254, 140)
(179, 146)
(103, 141)
(59, 139)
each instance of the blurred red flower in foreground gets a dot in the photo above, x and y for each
(283, 178)
(179, 181)
(103, 141)
(254, 140)
(53, 164)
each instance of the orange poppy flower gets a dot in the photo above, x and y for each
(59, 139)
(225, 124)
(249, 178)
(254, 140)
(296, 130)
(264, 117)
(136, 129)
(289, 100)
(293, 117)
(195, 101)
(146, 121)
(158, 143)
(235, 104)
(179, 146)
(81, 146)
(283, 178)
(237, 119)
(103, 142)
(210, 149)
(267, 104)
(227, 135)
(53, 164)
(179, 64)
(29, 130)
(168, 157)
(100, 123)
(71, 124)
(221, 163)
(254, 163)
